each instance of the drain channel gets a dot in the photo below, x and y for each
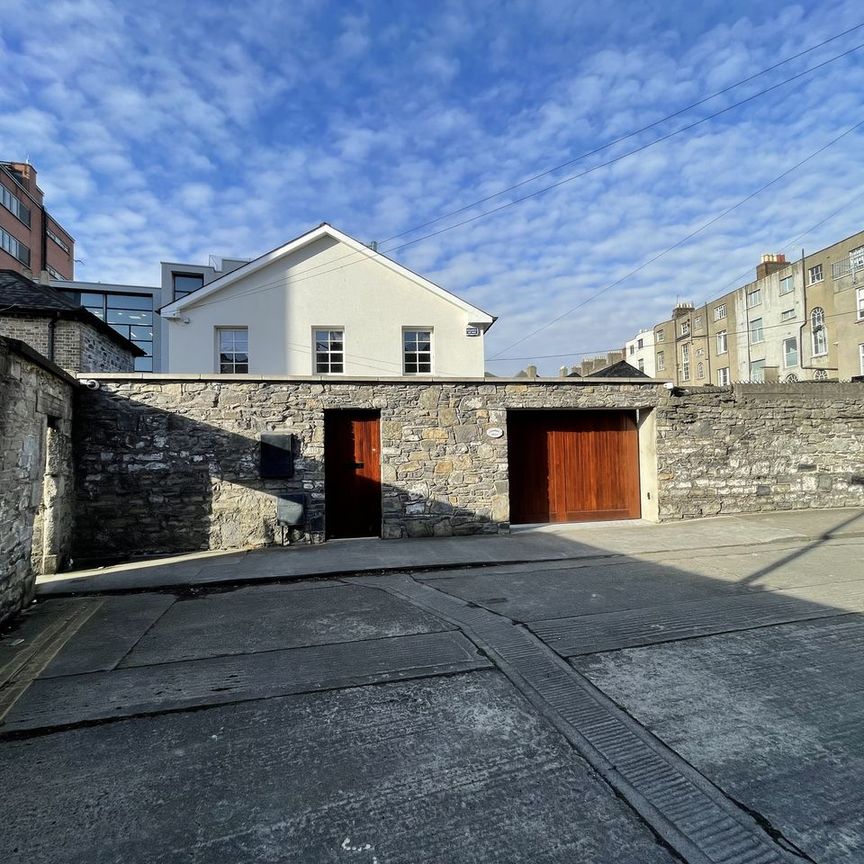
(691, 814)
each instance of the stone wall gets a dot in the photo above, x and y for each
(168, 465)
(77, 346)
(34, 332)
(98, 353)
(36, 500)
(753, 447)
(83, 348)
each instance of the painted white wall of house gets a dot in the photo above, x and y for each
(646, 353)
(326, 284)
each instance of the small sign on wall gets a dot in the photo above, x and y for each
(472, 331)
(494, 432)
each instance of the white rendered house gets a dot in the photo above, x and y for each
(323, 304)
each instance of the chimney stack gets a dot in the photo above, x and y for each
(770, 263)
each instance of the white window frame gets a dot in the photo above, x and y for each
(818, 332)
(757, 371)
(720, 312)
(700, 370)
(722, 342)
(757, 334)
(815, 275)
(685, 362)
(754, 298)
(224, 330)
(787, 314)
(861, 358)
(431, 352)
(661, 361)
(723, 376)
(659, 337)
(333, 357)
(859, 301)
(787, 284)
(786, 363)
(685, 328)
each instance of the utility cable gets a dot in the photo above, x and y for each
(683, 240)
(309, 273)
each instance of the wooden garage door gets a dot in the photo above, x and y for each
(572, 466)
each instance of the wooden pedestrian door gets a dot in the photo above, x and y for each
(573, 466)
(352, 473)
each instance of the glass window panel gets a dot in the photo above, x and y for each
(126, 316)
(187, 284)
(122, 329)
(129, 301)
(88, 299)
(143, 364)
(145, 333)
(97, 312)
(336, 367)
(144, 346)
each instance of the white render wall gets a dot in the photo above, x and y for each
(326, 285)
(633, 353)
(775, 329)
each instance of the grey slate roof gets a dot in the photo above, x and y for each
(22, 296)
(621, 369)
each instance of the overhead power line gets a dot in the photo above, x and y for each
(682, 241)
(546, 172)
(735, 283)
(326, 267)
(793, 323)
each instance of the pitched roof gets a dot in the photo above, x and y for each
(19, 293)
(323, 230)
(621, 369)
(22, 296)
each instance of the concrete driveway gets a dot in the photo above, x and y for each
(699, 698)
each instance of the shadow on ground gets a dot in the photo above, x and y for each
(325, 721)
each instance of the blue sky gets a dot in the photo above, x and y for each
(173, 130)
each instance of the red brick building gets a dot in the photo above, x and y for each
(31, 241)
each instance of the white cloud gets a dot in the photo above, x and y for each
(182, 129)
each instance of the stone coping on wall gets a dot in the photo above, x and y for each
(358, 379)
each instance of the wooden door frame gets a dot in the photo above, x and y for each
(632, 491)
(343, 413)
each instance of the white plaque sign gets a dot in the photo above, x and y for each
(494, 432)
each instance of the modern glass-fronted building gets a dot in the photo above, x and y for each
(129, 309)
